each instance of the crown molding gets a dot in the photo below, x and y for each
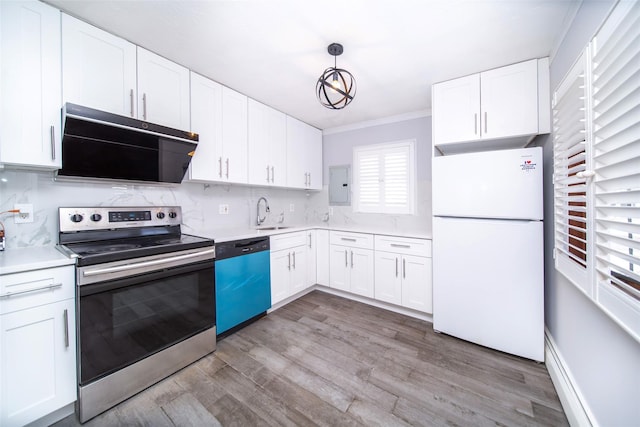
(376, 122)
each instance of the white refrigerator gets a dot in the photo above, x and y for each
(488, 266)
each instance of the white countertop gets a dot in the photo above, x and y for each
(16, 260)
(227, 235)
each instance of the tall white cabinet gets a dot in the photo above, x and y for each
(267, 145)
(206, 121)
(304, 155)
(37, 344)
(30, 84)
(234, 147)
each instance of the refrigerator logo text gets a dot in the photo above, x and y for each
(527, 166)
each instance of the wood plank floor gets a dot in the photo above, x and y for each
(328, 361)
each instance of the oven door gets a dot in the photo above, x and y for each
(124, 320)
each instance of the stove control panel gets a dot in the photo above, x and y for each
(104, 218)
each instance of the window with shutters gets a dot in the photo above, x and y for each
(597, 169)
(384, 178)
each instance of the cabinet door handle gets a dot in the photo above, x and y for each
(66, 328)
(294, 260)
(220, 167)
(309, 179)
(227, 168)
(144, 106)
(475, 124)
(346, 262)
(267, 173)
(397, 245)
(396, 267)
(53, 142)
(42, 288)
(131, 101)
(289, 255)
(485, 122)
(309, 239)
(404, 268)
(272, 175)
(351, 259)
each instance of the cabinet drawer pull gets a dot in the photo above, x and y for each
(397, 245)
(347, 239)
(66, 328)
(131, 101)
(53, 142)
(144, 106)
(43, 288)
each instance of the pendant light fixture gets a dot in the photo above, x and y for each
(336, 87)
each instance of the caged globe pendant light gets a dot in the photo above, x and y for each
(336, 87)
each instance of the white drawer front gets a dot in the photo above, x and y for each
(288, 240)
(32, 288)
(354, 240)
(403, 245)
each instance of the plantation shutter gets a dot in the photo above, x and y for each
(570, 150)
(616, 161)
(385, 178)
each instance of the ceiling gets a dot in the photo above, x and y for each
(275, 50)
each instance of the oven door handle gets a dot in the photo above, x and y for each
(152, 263)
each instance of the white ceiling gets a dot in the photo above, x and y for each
(275, 50)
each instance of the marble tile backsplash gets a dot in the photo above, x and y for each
(199, 202)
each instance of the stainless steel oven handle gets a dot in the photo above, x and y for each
(146, 263)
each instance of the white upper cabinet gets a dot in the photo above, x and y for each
(108, 73)
(98, 69)
(233, 158)
(30, 91)
(507, 102)
(163, 91)
(267, 145)
(206, 121)
(304, 155)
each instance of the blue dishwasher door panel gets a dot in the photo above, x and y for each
(243, 289)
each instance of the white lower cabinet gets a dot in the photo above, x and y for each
(288, 265)
(403, 272)
(37, 344)
(351, 262)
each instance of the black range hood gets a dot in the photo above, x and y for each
(106, 146)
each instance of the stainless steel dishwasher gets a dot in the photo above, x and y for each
(243, 283)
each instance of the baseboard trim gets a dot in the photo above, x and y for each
(576, 411)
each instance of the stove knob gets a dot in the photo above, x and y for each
(76, 218)
(172, 214)
(160, 215)
(96, 217)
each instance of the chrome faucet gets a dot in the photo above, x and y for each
(266, 210)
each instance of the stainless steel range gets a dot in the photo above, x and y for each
(145, 299)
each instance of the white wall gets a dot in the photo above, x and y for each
(602, 359)
(338, 150)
